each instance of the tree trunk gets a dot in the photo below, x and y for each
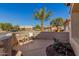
(42, 25)
(51, 28)
(42, 28)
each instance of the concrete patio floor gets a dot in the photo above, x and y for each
(35, 48)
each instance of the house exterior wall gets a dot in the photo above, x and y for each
(26, 27)
(75, 32)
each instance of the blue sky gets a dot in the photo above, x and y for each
(22, 13)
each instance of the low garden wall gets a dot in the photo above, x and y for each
(61, 36)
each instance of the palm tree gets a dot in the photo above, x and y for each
(57, 22)
(42, 15)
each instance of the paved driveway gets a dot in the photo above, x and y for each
(35, 48)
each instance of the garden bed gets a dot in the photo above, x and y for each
(59, 49)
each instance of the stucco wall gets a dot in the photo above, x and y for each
(61, 36)
(75, 46)
(74, 40)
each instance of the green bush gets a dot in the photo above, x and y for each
(37, 27)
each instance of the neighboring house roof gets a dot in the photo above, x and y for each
(67, 22)
(26, 26)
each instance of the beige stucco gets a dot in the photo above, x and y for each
(74, 34)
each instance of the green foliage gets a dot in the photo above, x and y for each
(42, 15)
(63, 49)
(37, 27)
(6, 26)
(57, 22)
